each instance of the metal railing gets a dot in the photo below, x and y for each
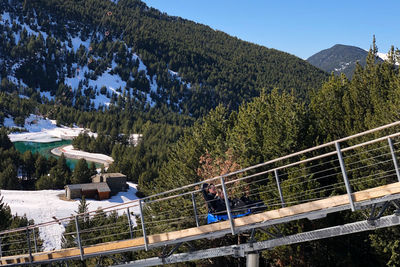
(344, 166)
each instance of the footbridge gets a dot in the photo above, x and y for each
(358, 173)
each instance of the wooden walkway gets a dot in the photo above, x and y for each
(331, 202)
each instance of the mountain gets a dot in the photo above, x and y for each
(339, 59)
(95, 53)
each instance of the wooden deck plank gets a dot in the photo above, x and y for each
(251, 219)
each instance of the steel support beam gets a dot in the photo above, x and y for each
(28, 240)
(396, 166)
(143, 225)
(245, 249)
(253, 259)
(278, 183)
(195, 210)
(228, 207)
(34, 240)
(78, 237)
(345, 178)
(128, 215)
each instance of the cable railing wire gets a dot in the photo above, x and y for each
(374, 164)
(384, 146)
(106, 236)
(103, 228)
(291, 182)
(312, 166)
(367, 159)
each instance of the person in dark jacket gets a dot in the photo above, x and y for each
(214, 202)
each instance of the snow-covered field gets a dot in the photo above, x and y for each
(42, 130)
(43, 205)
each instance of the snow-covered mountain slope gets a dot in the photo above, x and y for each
(43, 205)
(125, 54)
(94, 79)
(384, 56)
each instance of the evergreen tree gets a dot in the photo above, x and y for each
(327, 108)
(8, 177)
(28, 163)
(83, 206)
(81, 173)
(92, 169)
(40, 166)
(5, 142)
(270, 126)
(5, 214)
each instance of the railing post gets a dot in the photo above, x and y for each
(129, 222)
(278, 183)
(1, 251)
(396, 166)
(34, 239)
(195, 210)
(78, 236)
(346, 180)
(228, 207)
(143, 225)
(29, 244)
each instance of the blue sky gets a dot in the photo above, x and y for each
(299, 27)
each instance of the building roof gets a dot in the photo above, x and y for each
(100, 187)
(109, 175)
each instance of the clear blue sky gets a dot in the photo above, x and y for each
(299, 27)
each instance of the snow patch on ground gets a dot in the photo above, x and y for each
(382, 56)
(385, 57)
(16, 81)
(134, 139)
(77, 42)
(175, 75)
(70, 150)
(29, 30)
(42, 205)
(47, 95)
(5, 18)
(9, 122)
(343, 66)
(43, 130)
(111, 81)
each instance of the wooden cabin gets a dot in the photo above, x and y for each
(98, 191)
(115, 181)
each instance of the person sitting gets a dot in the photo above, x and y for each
(214, 198)
(220, 203)
(210, 195)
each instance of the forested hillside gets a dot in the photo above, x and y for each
(277, 124)
(94, 53)
(119, 67)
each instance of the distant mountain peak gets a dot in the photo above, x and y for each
(339, 59)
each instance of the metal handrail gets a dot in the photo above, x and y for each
(136, 201)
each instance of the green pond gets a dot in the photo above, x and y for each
(45, 150)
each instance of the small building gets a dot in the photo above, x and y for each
(115, 181)
(98, 191)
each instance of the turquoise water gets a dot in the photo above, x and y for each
(45, 150)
